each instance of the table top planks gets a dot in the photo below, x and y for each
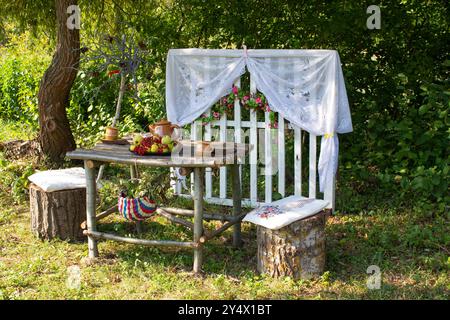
(110, 153)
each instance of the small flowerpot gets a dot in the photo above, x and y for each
(111, 134)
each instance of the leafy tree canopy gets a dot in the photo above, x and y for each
(396, 77)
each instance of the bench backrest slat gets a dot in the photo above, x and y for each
(254, 151)
(281, 156)
(312, 165)
(297, 161)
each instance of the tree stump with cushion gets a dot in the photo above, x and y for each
(58, 204)
(57, 214)
(297, 250)
(291, 237)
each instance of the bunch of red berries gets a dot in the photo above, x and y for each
(147, 142)
(140, 150)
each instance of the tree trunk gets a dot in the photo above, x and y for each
(55, 135)
(297, 250)
(57, 214)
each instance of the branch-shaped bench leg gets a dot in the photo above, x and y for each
(161, 243)
(206, 216)
(174, 219)
(102, 215)
(237, 204)
(223, 228)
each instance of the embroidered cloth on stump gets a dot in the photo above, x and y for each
(283, 212)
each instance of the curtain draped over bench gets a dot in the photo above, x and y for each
(305, 86)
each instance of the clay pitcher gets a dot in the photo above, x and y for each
(163, 128)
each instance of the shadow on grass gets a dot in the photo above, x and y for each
(397, 243)
(219, 254)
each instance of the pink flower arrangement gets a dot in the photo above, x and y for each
(253, 102)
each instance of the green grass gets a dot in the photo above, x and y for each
(11, 131)
(410, 247)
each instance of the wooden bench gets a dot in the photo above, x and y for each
(272, 157)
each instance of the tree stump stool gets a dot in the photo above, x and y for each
(57, 214)
(297, 250)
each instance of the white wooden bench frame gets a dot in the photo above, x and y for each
(253, 125)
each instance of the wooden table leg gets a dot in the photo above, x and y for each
(237, 204)
(198, 218)
(91, 191)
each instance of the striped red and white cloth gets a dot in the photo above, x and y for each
(137, 209)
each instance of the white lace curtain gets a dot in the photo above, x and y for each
(305, 86)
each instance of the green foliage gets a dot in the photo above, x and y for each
(151, 183)
(22, 65)
(409, 153)
(93, 104)
(396, 78)
(14, 180)
(10, 130)
(14, 176)
(36, 16)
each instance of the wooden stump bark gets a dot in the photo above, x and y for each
(297, 250)
(57, 214)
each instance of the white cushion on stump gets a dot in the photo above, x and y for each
(57, 180)
(281, 213)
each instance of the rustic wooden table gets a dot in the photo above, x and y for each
(105, 153)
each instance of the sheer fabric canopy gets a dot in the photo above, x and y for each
(305, 86)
